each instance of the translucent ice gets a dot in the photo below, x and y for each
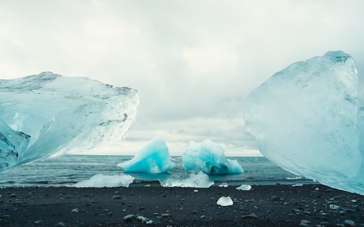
(198, 180)
(305, 119)
(108, 181)
(46, 113)
(153, 158)
(225, 201)
(11, 144)
(244, 187)
(209, 157)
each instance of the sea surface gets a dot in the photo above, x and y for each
(69, 169)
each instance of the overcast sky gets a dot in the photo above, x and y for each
(190, 60)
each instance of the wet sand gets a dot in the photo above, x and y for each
(278, 205)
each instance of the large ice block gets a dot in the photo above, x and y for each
(209, 158)
(305, 119)
(47, 113)
(153, 158)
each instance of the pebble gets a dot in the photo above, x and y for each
(116, 197)
(305, 222)
(75, 210)
(276, 198)
(60, 224)
(165, 215)
(349, 222)
(144, 220)
(250, 216)
(333, 207)
(128, 218)
(37, 222)
(139, 218)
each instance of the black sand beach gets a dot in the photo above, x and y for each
(278, 205)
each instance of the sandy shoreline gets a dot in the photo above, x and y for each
(278, 205)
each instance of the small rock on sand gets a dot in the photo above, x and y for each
(349, 222)
(305, 222)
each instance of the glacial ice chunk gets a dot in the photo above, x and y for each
(108, 181)
(47, 113)
(305, 119)
(195, 180)
(11, 144)
(244, 187)
(153, 158)
(225, 201)
(209, 157)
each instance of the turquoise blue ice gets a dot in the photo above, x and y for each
(209, 158)
(153, 158)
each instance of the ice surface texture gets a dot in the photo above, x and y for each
(225, 201)
(209, 158)
(46, 113)
(305, 119)
(198, 180)
(108, 181)
(153, 158)
(244, 187)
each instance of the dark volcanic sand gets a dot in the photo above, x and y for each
(279, 205)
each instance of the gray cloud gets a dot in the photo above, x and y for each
(189, 59)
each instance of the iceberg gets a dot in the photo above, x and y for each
(198, 180)
(105, 181)
(209, 158)
(153, 158)
(48, 113)
(305, 119)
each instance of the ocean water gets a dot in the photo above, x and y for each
(69, 169)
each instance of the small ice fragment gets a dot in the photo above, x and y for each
(225, 201)
(209, 157)
(223, 185)
(244, 187)
(297, 185)
(199, 180)
(153, 158)
(294, 178)
(195, 190)
(108, 181)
